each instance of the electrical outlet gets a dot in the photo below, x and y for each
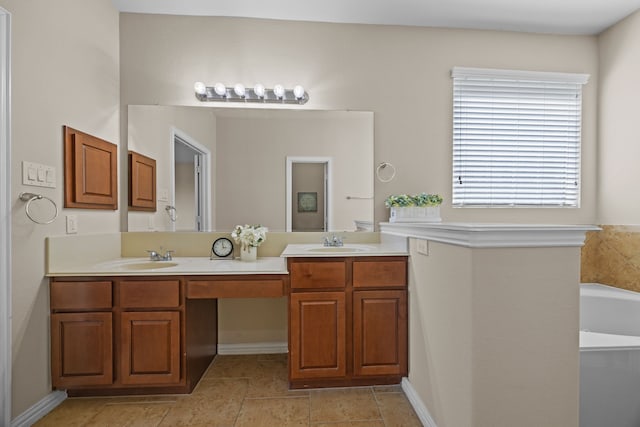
(150, 223)
(422, 247)
(72, 224)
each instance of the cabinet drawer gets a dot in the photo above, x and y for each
(307, 275)
(235, 288)
(150, 294)
(80, 295)
(379, 273)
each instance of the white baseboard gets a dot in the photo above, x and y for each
(418, 405)
(40, 409)
(253, 348)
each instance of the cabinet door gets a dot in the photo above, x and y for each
(81, 349)
(90, 171)
(150, 347)
(142, 182)
(380, 332)
(317, 335)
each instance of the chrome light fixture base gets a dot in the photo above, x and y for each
(267, 96)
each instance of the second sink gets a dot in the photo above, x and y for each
(336, 249)
(151, 265)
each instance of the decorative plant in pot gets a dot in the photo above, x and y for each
(249, 237)
(421, 207)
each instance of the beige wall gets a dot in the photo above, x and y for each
(65, 71)
(440, 332)
(252, 158)
(402, 74)
(610, 256)
(618, 131)
(494, 335)
(149, 133)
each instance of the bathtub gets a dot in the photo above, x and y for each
(609, 356)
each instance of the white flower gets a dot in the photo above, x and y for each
(249, 235)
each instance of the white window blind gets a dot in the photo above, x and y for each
(516, 138)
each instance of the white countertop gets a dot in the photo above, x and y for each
(348, 250)
(178, 266)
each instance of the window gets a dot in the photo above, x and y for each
(516, 138)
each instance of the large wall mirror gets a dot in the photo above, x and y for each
(290, 170)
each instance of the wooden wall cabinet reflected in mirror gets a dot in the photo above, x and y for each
(142, 182)
(90, 171)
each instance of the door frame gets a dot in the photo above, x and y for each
(5, 218)
(327, 161)
(206, 175)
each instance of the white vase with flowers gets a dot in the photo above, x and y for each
(249, 237)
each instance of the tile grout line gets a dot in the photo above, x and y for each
(375, 396)
(235, 421)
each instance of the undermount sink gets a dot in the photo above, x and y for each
(347, 248)
(336, 249)
(150, 265)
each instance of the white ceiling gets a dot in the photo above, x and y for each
(542, 16)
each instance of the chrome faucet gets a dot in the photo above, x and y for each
(333, 241)
(155, 256)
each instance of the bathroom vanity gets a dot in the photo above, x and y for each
(347, 321)
(131, 326)
(141, 334)
(128, 334)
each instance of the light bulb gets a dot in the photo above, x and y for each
(258, 89)
(278, 91)
(298, 92)
(220, 89)
(200, 88)
(239, 90)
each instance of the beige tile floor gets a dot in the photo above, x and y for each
(243, 391)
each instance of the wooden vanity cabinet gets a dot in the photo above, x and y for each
(347, 321)
(380, 322)
(380, 333)
(126, 335)
(317, 335)
(81, 334)
(150, 344)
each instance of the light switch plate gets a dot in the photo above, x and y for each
(38, 175)
(163, 195)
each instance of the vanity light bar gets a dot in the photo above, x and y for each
(259, 94)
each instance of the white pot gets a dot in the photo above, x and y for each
(415, 214)
(248, 253)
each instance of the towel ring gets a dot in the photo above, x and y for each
(172, 212)
(382, 166)
(29, 198)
